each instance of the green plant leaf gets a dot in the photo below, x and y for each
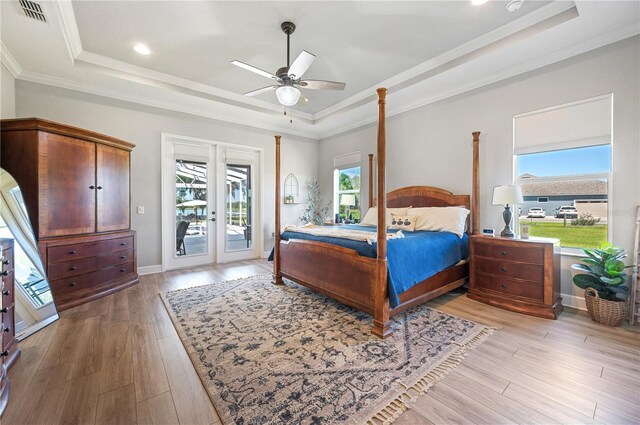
(611, 281)
(585, 281)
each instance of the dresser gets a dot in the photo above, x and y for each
(76, 189)
(10, 351)
(521, 275)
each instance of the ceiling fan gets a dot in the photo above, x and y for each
(289, 78)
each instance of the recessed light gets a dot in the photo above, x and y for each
(141, 48)
(478, 2)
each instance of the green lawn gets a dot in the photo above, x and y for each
(571, 236)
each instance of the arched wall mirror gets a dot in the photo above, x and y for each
(32, 302)
(291, 190)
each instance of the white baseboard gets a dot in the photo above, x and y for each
(150, 269)
(23, 333)
(573, 301)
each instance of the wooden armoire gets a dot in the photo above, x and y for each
(76, 188)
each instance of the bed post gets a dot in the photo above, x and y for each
(370, 180)
(475, 190)
(277, 275)
(381, 322)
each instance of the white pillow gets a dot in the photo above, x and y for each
(441, 219)
(371, 218)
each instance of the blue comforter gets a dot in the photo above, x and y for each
(416, 257)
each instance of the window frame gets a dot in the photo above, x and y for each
(336, 188)
(591, 176)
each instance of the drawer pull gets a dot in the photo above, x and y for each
(123, 243)
(73, 268)
(7, 329)
(504, 252)
(504, 269)
(503, 286)
(4, 273)
(122, 257)
(5, 353)
(73, 252)
(5, 262)
(72, 284)
(6, 293)
(99, 187)
(4, 310)
(92, 187)
(123, 270)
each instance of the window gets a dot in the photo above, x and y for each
(563, 161)
(347, 193)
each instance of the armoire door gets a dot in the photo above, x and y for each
(112, 185)
(67, 192)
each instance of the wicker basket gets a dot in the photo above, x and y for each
(610, 313)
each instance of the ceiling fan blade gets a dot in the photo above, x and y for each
(301, 65)
(256, 70)
(322, 85)
(260, 91)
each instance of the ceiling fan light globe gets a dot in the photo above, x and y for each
(288, 95)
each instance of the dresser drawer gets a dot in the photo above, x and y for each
(532, 272)
(57, 254)
(7, 260)
(80, 266)
(519, 288)
(7, 328)
(7, 290)
(528, 254)
(76, 287)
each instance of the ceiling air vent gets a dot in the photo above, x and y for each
(33, 10)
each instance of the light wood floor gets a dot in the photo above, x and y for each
(118, 360)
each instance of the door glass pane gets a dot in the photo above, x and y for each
(191, 208)
(238, 207)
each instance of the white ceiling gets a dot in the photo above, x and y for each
(422, 51)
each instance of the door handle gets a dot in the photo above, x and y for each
(213, 219)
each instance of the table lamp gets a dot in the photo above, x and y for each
(507, 196)
(348, 201)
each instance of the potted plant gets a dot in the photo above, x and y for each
(603, 278)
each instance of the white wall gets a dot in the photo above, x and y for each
(7, 93)
(143, 126)
(432, 145)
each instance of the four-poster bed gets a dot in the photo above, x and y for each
(359, 281)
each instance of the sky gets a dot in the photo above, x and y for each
(593, 159)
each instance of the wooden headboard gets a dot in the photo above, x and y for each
(426, 196)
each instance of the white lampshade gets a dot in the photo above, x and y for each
(287, 95)
(507, 195)
(348, 200)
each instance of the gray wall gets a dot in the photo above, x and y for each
(143, 126)
(432, 145)
(7, 93)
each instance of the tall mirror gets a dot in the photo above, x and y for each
(33, 303)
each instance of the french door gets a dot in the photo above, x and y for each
(189, 205)
(211, 203)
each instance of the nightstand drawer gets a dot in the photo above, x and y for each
(532, 272)
(519, 288)
(525, 254)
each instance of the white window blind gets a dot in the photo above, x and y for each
(347, 159)
(578, 124)
(234, 156)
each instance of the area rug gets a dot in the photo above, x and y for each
(271, 354)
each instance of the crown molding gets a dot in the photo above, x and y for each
(9, 61)
(240, 117)
(540, 62)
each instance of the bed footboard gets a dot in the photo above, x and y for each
(335, 271)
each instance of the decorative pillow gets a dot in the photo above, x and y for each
(371, 218)
(442, 219)
(403, 222)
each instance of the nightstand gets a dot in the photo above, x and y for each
(521, 275)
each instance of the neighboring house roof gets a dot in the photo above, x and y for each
(565, 187)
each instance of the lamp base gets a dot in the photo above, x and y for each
(506, 215)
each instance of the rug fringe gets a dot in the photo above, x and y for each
(396, 407)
